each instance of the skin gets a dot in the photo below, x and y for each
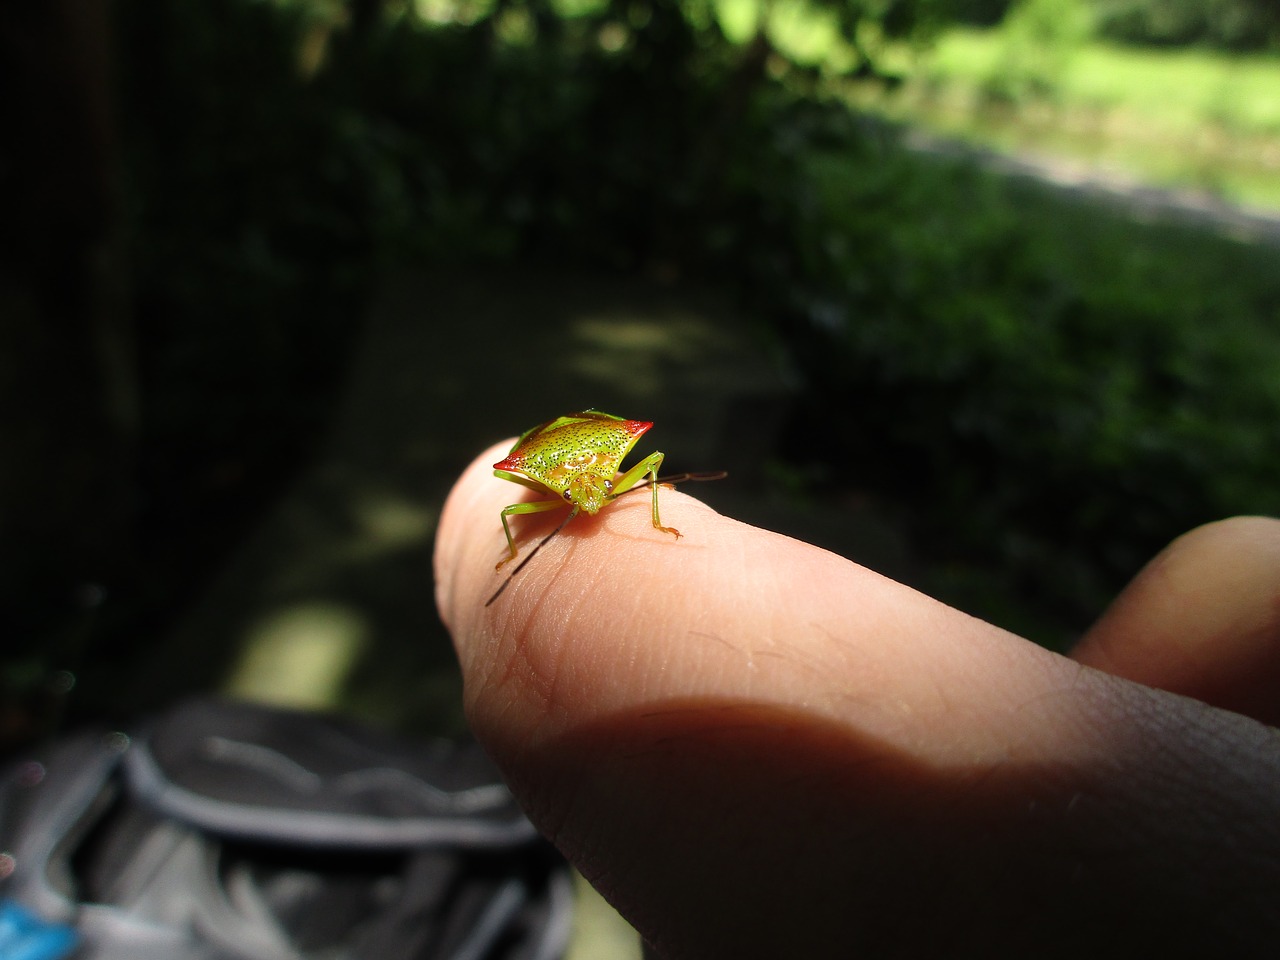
(755, 748)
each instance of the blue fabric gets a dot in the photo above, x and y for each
(25, 936)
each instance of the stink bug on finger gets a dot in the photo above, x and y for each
(577, 458)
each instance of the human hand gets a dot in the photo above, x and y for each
(755, 748)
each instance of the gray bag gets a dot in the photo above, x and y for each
(227, 831)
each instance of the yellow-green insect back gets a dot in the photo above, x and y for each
(577, 457)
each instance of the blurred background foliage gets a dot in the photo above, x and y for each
(1039, 390)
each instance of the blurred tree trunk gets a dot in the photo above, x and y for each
(67, 379)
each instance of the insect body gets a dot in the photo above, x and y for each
(577, 457)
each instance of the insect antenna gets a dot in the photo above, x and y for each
(674, 478)
(530, 555)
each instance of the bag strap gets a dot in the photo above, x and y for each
(258, 773)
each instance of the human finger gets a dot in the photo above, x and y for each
(757, 748)
(1202, 619)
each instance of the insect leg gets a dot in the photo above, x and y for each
(532, 553)
(633, 477)
(534, 506)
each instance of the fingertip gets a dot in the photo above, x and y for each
(469, 511)
(1200, 619)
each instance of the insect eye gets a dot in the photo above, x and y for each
(567, 496)
(608, 485)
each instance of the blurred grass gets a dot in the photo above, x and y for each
(1177, 117)
(1186, 118)
(1176, 89)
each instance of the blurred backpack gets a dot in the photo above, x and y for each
(228, 831)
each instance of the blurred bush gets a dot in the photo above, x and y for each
(1046, 389)
(1038, 42)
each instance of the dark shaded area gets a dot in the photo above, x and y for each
(995, 853)
(1233, 25)
(1224, 24)
(1017, 397)
(68, 437)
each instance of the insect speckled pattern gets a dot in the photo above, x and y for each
(577, 457)
(568, 456)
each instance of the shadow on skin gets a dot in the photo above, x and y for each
(760, 832)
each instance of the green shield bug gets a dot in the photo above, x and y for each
(577, 458)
